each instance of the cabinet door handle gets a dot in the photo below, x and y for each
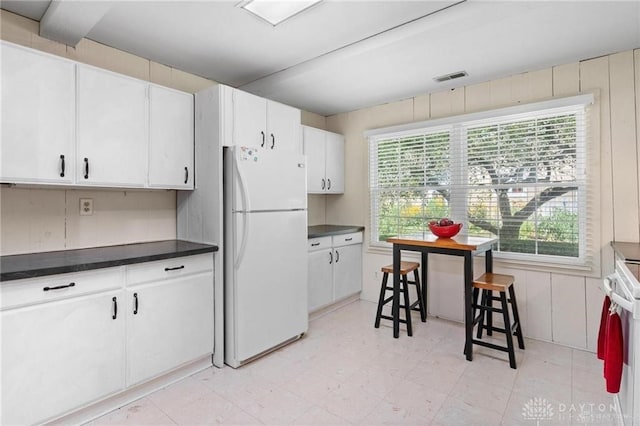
(337, 256)
(61, 165)
(315, 244)
(115, 308)
(328, 184)
(186, 174)
(86, 168)
(330, 257)
(175, 268)
(323, 183)
(273, 141)
(135, 303)
(348, 239)
(263, 139)
(58, 287)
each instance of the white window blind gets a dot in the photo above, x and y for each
(520, 173)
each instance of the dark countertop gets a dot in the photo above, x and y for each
(32, 265)
(327, 230)
(629, 252)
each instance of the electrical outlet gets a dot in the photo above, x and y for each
(86, 206)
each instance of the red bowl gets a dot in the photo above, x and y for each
(447, 231)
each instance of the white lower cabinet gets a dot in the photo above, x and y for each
(347, 270)
(335, 269)
(320, 273)
(60, 355)
(64, 336)
(169, 322)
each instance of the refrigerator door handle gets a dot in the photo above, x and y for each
(245, 216)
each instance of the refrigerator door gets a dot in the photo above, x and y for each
(270, 285)
(267, 180)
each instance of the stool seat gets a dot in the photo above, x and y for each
(494, 282)
(405, 268)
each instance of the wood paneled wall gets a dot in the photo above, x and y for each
(560, 307)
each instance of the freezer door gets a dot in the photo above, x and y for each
(270, 286)
(268, 180)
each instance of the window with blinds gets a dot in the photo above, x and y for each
(517, 173)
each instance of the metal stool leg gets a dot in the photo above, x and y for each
(407, 304)
(383, 289)
(507, 328)
(489, 313)
(516, 317)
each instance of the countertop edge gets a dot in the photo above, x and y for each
(626, 250)
(333, 230)
(80, 267)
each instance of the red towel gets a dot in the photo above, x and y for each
(613, 354)
(602, 333)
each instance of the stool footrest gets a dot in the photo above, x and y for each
(487, 308)
(490, 345)
(389, 317)
(498, 329)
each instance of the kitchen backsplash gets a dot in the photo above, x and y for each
(36, 220)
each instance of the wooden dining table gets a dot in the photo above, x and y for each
(459, 245)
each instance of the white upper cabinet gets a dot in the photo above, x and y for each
(283, 125)
(112, 129)
(325, 161)
(65, 123)
(249, 119)
(259, 122)
(170, 138)
(38, 117)
(314, 149)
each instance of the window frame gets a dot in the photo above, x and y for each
(587, 182)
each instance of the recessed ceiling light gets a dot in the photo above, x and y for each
(277, 11)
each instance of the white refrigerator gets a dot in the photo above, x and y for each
(265, 255)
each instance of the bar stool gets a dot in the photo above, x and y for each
(502, 284)
(418, 305)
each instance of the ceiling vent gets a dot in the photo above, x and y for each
(451, 76)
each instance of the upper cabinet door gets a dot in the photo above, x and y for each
(314, 149)
(38, 117)
(249, 120)
(335, 163)
(112, 125)
(283, 126)
(170, 138)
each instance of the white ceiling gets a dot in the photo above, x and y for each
(344, 55)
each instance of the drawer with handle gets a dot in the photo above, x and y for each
(347, 239)
(169, 268)
(48, 288)
(319, 243)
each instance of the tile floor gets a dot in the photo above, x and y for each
(345, 372)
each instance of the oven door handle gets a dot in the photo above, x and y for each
(615, 297)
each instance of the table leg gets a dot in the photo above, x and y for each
(468, 320)
(488, 261)
(395, 307)
(425, 269)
